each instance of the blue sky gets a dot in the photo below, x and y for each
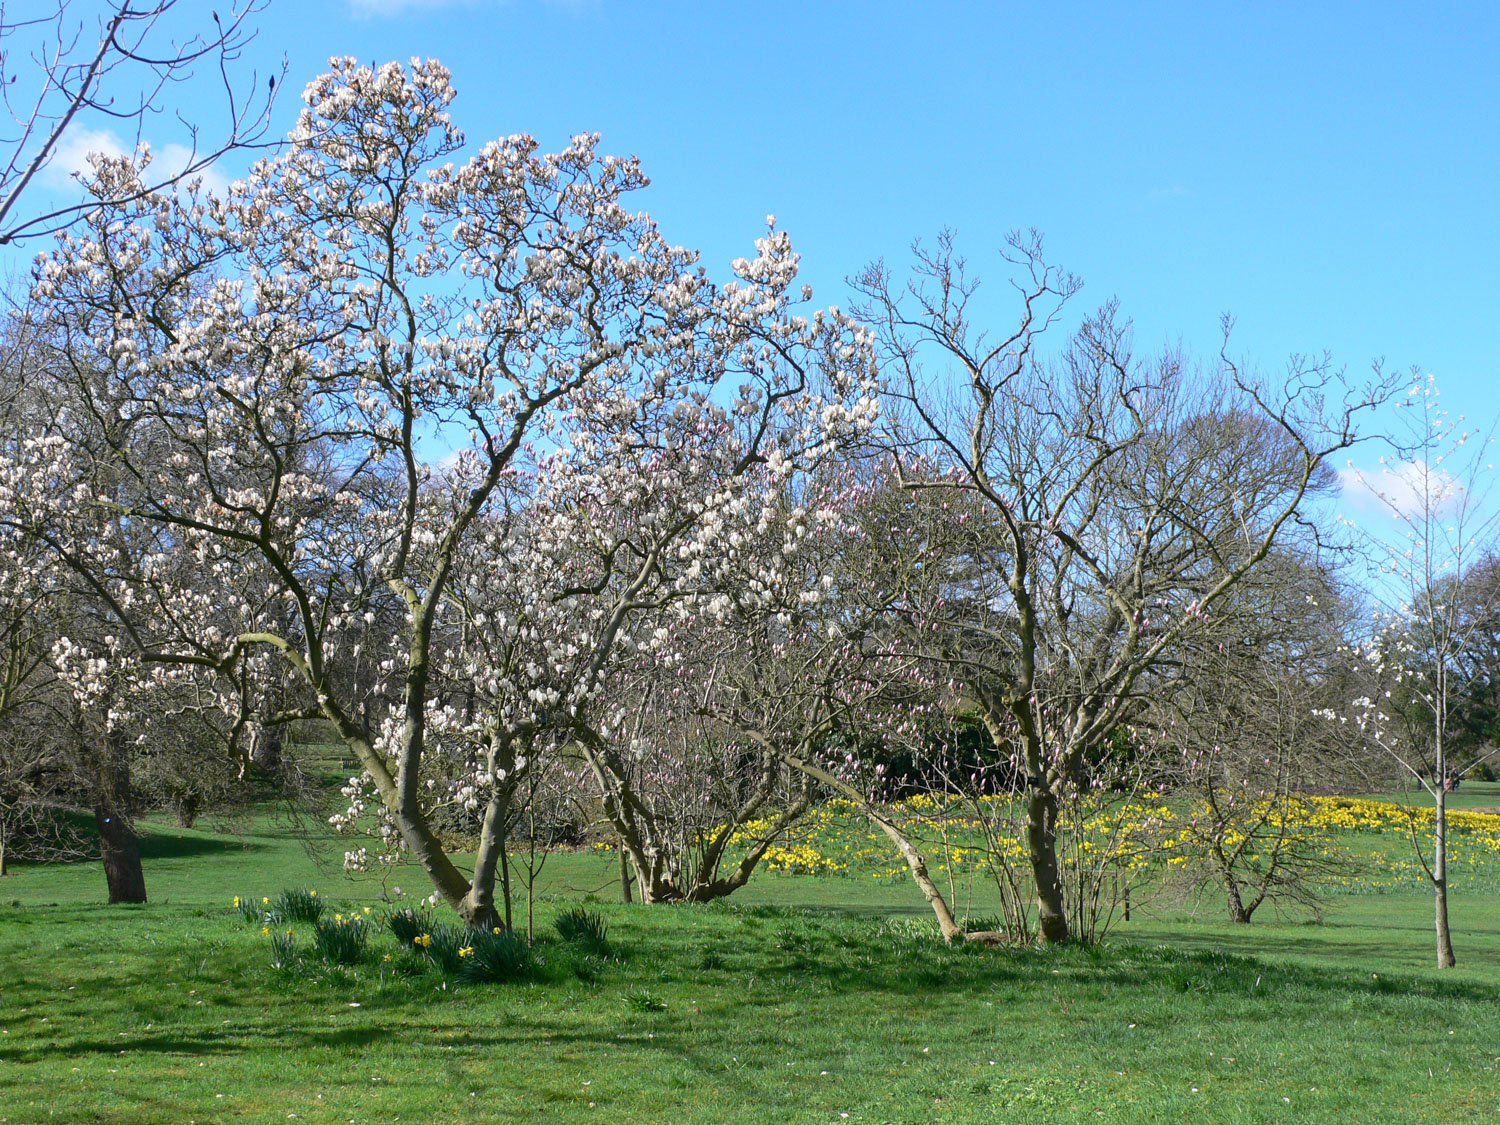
(1328, 173)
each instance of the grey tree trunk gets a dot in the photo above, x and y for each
(118, 844)
(1041, 846)
(1445, 958)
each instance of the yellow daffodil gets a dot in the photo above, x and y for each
(466, 950)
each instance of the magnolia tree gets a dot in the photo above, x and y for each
(1434, 625)
(1117, 501)
(281, 368)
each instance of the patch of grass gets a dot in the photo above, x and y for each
(801, 999)
(644, 1001)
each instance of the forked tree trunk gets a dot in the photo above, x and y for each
(118, 844)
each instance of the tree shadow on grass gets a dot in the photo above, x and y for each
(158, 843)
(762, 968)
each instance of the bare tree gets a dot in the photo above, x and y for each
(1239, 737)
(1118, 502)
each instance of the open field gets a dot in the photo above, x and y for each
(804, 999)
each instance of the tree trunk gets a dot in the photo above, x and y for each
(187, 810)
(624, 876)
(118, 844)
(505, 888)
(1445, 958)
(1041, 846)
(915, 862)
(1237, 911)
(478, 906)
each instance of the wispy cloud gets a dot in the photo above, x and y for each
(1160, 194)
(71, 158)
(72, 153)
(1408, 490)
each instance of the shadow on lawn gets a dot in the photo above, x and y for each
(156, 843)
(763, 959)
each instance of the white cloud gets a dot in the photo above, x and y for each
(71, 157)
(1406, 489)
(72, 153)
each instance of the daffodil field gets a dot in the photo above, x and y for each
(1144, 839)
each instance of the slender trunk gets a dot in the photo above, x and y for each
(1445, 958)
(624, 875)
(1041, 847)
(400, 797)
(917, 865)
(505, 887)
(531, 887)
(915, 862)
(118, 844)
(4, 857)
(478, 907)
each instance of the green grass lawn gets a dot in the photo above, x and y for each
(802, 1000)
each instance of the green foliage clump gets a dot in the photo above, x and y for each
(445, 946)
(644, 1001)
(284, 951)
(407, 924)
(297, 906)
(495, 957)
(584, 928)
(341, 941)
